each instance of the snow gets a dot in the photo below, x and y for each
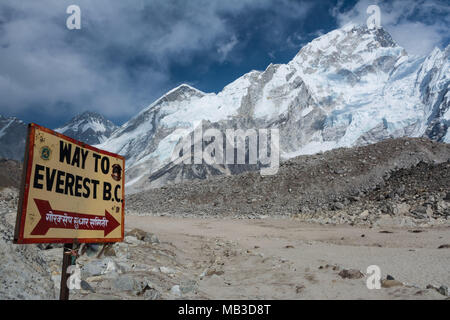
(447, 137)
(342, 78)
(95, 126)
(4, 129)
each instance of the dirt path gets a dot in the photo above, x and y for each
(288, 259)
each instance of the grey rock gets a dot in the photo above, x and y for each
(443, 290)
(188, 286)
(137, 233)
(152, 294)
(175, 290)
(127, 282)
(99, 267)
(86, 286)
(151, 238)
(351, 274)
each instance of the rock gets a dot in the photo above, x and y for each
(444, 246)
(99, 267)
(137, 233)
(121, 250)
(49, 246)
(364, 214)
(351, 274)
(213, 271)
(399, 208)
(141, 235)
(390, 283)
(151, 238)
(175, 290)
(127, 282)
(109, 252)
(92, 249)
(416, 231)
(389, 277)
(132, 240)
(443, 290)
(167, 270)
(447, 197)
(93, 268)
(152, 294)
(422, 212)
(188, 286)
(86, 286)
(338, 206)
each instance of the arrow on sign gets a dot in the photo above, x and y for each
(54, 219)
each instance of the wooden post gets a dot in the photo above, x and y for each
(67, 261)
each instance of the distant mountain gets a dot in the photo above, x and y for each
(350, 87)
(13, 135)
(89, 127)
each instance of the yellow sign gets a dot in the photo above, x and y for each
(70, 191)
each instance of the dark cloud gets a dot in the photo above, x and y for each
(125, 55)
(120, 59)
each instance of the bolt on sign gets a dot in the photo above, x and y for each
(71, 192)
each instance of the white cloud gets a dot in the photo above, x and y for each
(418, 26)
(226, 48)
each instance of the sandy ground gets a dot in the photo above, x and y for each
(288, 259)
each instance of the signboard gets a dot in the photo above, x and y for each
(70, 191)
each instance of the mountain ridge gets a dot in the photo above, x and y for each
(89, 127)
(349, 87)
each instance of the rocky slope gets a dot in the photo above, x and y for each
(10, 173)
(346, 185)
(350, 87)
(24, 273)
(13, 134)
(141, 267)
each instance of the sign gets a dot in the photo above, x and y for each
(70, 191)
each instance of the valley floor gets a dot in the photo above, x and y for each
(289, 259)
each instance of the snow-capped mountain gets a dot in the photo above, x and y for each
(13, 134)
(89, 127)
(352, 86)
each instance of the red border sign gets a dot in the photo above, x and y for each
(44, 206)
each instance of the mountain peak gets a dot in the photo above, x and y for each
(91, 114)
(181, 92)
(349, 48)
(351, 36)
(89, 127)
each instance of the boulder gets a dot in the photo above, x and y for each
(351, 274)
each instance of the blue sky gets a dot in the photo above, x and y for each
(128, 53)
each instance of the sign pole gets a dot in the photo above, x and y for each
(71, 193)
(67, 261)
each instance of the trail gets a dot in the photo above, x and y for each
(289, 259)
